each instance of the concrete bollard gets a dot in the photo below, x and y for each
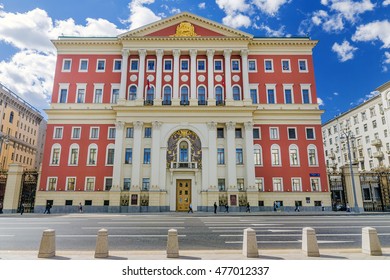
(47, 248)
(101, 250)
(309, 242)
(249, 246)
(370, 242)
(172, 244)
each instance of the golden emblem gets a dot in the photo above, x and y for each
(185, 29)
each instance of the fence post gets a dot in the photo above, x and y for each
(172, 244)
(370, 242)
(47, 248)
(101, 250)
(309, 242)
(249, 246)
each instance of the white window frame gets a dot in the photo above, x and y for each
(197, 66)
(105, 182)
(306, 65)
(63, 65)
(128, 92)
(288, 87)
(131, 64)
(254, 87)
(154, 65)
(279, 162)
(113, 65)
(109, 131)
(218, 71)
(73, 136)
(80, 63)
(63, 86)
(164, 69)
(289, 65)
(258, 147)
(114, 87)
(90, 147)
(293, 189)
(294, 147)
(54, 147)
(261, 180)
(97, 65)
(274, 187)
(54, 132)
(48, 182)
(86, 184)
(288, 134)
(312, 147)
(238, 63)
(255, 62)
(80, 86)
(257, 128)
(271, 87)
(72, 147)
(111, 147)
(265, 65)
(97, 87)
(67, 183)
(308, 88)
(318, 179)
(181, 65)
(314, 133)
(90, 132)
(272, 134)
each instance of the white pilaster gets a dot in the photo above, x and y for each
(231, 155)
(176, 67)
(228, 75)
(249, 157)
(212, 169)
(155, 160)
(135, 176)
(141, 74)
(210, 77)
(159, 54)
(125, 58)
(245, 76)
(118, 159)
(193, 99)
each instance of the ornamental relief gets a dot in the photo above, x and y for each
(185, 29)
(195, 147)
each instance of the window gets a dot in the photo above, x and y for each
(257, 156)
(305, 96)
(310, 134)
(256, 133)
(150, 94)
(184, 99)
(58, 133)
(101, 65)
(220, 132)
(239, 156)
(107, 184)
(92, 154)
(168, 65)
(236, 93)
(288, 97)
(365, 127)
(183, 151)
(11, 117)
(63, 96)
(312, 155)
(51, 183)
(184, 65)
(292, 133)
(70, 183)
(98, 98)
(277, 184)
(114, 95)
(148, 132)
(132, 92)
(259, 183)
(80, 95)
(296, 184)
(294, 155)
(315, 184)
(83, 67)
(202, 95)
(302, 65)
(253, 93)
(238, 132)
(221, 156)
(167, 96)
(110, 155)
(147, 156)
(268, 65)
(252, 66)
(271, 98)
(219, 95)
(55, 155)
(286, 65)
(201, 65)
(374, 124)
(128, 155)
(145, 184)
(89, 183)
(66, 65)
(235, 65)
(74, 154)
(129, 132)
(218, 65)
(76, 132)
(94, 133)
(126, 184)
(274, 133)
(150, 65)
(372, 112)
(117, 65)
(134, 65)
(240, 184)
(275, 155)
(221, 184)
(111, 132)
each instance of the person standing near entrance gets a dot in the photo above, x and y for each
(215, 208)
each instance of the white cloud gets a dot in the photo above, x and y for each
(329, 23)
(270, 7)
(320, 101)
(202, 5)
(344, 51)
(141, 15)
(386, 2)
(349, 9)
(234, 13)
(271, 32)
(377, 30)
(335, 93)
(237, 20)
(385, 67)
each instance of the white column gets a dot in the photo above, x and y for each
(135, 176)
(118, 159)
(212, 168)
(176, 67)
(228, 75)
(159, 54)
(249, 157)
(245, 77)
(193, 99)
(231, 155)
(141, 74)
(155, 160)
(210, 77)
(125, 58)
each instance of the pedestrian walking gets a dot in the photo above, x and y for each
(348, 208)
(190, 209)
(22, 209)
(47, 209)
(322, 206)
(227, 208)
(296, 207)
(80, 207)
(248, 207)
(215, 207)
(274, 206)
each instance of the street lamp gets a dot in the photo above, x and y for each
(347, 135)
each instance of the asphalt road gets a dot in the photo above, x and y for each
(203, 231)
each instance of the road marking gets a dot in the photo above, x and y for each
(9, 235)
(292, 241)
(140, 222)
(290, 227)
(37, 223)
(283, 230)
(132, 227)
(22, 228)
(117, 235)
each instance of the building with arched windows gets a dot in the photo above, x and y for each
(183, 111)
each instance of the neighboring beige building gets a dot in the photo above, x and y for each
(22, 131)
(369, 126)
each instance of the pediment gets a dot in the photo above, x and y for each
(185, 25)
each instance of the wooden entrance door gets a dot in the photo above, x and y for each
(183, 195)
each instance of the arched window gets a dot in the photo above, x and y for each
(184, 95)
(236, 93)
(183, 151)
(275, 155)
(110, 154)
(202, 95)
(312, 155)
(150, 93)
(219, 95)
(92, 154)
(167, 96)
(294, 155)
(74, 154)
(55, 154)
(258, 155)
(132, 92)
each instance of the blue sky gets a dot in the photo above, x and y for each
(351, 60)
